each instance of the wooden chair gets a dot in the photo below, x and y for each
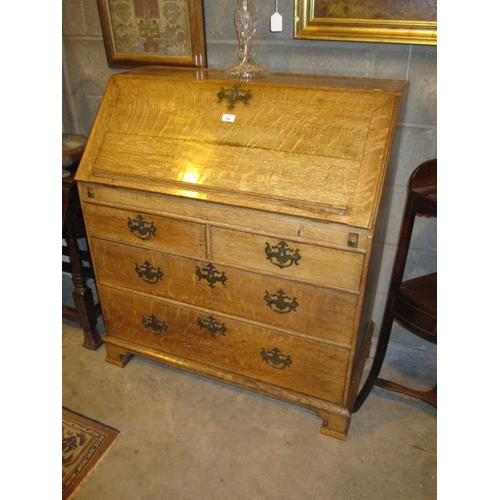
(412, 303)
(85, 312)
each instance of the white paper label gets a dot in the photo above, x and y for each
(276, 22)
(228, 118)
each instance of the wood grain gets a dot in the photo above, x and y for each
(301, 168)
(316, 369)
(220, 215)
(317, 264)
(317, 150)
(179, 237)
(321, 313)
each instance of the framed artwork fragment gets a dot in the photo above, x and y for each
(159, 32)
(385, 21)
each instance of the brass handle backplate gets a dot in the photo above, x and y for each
(212, 325)
(276, 358)
(234, 95)
(280, 302)
(282, 255)
(154, 325)
(141, 227)
(211, 274)
(148, 273)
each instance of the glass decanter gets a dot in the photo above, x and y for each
(245, 21)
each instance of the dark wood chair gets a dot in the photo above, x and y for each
(86, 311)
(412, 303)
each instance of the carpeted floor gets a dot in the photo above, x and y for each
(84, 443)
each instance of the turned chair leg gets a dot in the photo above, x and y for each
(83, 298)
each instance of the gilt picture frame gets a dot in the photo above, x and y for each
(153, 32)
(383, 21)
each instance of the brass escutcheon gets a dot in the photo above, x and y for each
(282, 255)
(276, 358)
(212, 325)
(154, 325)
(141, 227)
(211, 274)
(280, 302)
(148, 273)
(234, 95)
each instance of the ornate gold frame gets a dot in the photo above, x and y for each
(196, 41)
(307, 26)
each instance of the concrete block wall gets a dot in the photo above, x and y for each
(85, 74)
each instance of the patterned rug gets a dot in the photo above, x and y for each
(84, 442)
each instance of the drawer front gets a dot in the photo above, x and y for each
(149, 231)
(288, 259)
(306, 309)
(302, 365)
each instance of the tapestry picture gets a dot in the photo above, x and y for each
(150, 27)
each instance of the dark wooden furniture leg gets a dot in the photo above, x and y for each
(378, 360)
(87, 313)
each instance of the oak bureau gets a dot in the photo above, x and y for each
(232, 224)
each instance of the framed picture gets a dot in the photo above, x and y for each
(386, 21)
(145, 32)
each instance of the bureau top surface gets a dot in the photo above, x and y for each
(312, 146)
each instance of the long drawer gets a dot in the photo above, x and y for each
(299, 364)
(288, 305)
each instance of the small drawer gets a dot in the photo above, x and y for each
(298, 364)
(314, 311)
(150, 231)
(288, 259)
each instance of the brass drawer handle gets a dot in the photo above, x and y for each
(276, 358)
(280, 302)
(154, 325)
(148, 273)
(141, 227)
(282, 255)
(210, 274)
(212, 325)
